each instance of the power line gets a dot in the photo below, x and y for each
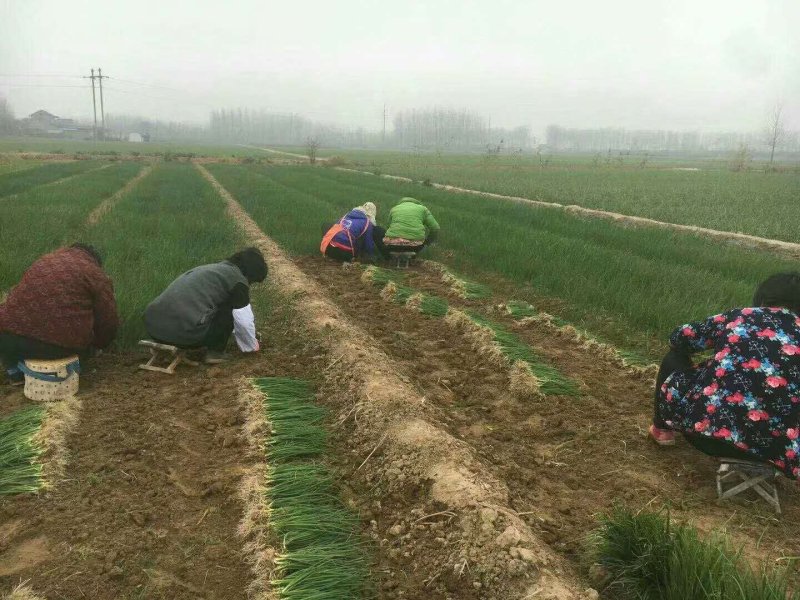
(153, 85)
(136, 93)
(28, 75)
(40, 85)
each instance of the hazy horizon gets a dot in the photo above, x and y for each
(660, 65)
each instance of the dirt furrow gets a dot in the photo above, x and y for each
(148, 508)
(483, 549)
(564, 459)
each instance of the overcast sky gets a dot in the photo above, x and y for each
(677, 64)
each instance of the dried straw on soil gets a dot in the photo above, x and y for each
(21, 592)
(255, 513)
(60, 419)
(469, 290)
(647, 372)
(442, 471)
(480, 336)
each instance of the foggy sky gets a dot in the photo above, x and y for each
(666, 64)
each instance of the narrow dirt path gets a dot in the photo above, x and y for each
(564, 459)
(107, 205)
(148, 508)
(415, 470)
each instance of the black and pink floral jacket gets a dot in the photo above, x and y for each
(748, 393)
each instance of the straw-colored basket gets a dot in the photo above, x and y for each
(51, 380)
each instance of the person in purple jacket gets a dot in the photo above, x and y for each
(356, 235)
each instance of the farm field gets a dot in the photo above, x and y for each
(68, 147)
(631, 286)
(440, 423)
(711, 196)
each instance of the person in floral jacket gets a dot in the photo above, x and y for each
(744, 401)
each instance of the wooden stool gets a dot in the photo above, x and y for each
(757, 476)
(403, 259)
(165, 352)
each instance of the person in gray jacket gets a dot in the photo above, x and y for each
(196, 310)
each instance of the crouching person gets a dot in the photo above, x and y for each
(743, 402)
(64, 305)
(356, 236)
(411, 227)
(197, 309)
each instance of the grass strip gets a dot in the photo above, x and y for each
(433, 306)
(23, 180)
(647, 557)
(321, 558)
(428, 305)
(520, 310)
(20, 472)
(470, 290)
(380, 276)
(552, 381)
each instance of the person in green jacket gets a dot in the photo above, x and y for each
(411, 227)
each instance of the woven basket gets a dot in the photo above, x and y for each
(61, 369)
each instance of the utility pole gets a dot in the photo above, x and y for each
(102, 109)
(384, 124)
(94, 106)
(100, 78)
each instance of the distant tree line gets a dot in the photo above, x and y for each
(155, 130)
(450, 129)
(617, 139)
(426, 129)
(259, 126)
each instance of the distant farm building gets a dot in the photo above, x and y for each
(47, 124)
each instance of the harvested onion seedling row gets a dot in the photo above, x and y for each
(20, 472)
(320, 558)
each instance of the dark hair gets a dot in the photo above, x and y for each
(781, 290)
(251, 263)
(91, 251)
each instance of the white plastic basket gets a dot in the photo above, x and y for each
(51, 380)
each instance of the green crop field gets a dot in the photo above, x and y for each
(169, 223)
(374, 390)
(711, 196)
(630, 285)
(19, 180)
(48, 216)
(69, 147)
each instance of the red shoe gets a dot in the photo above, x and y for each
(662, 437)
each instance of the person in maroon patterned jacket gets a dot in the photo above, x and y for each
(63, 305)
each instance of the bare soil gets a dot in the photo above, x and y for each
(564, 459)
(149, 507)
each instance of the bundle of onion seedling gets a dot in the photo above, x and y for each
(523, 310)
(321, 558)
(465, 288)
(19, 471)
(380, 276)
(551, 381)
(433, 306)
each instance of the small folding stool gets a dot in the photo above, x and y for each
(753, 475)
(165, 353)
(403, 259)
